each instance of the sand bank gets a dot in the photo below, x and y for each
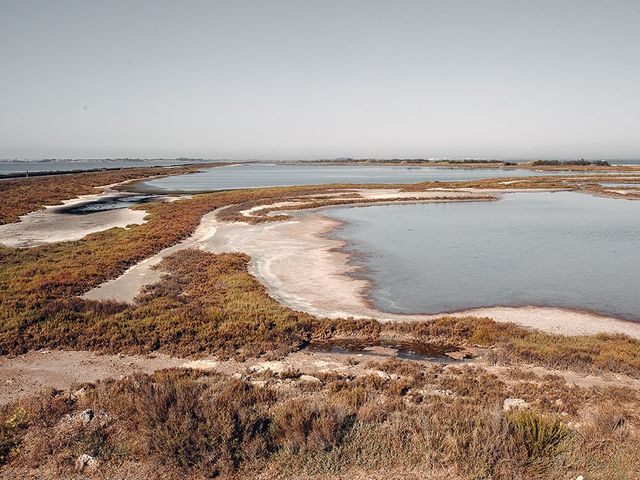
(307, 270)
(209, 237)
(51, 225)
(131, 282)
(29, 373)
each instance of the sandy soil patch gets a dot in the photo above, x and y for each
(27, 374)
(128, 285)
(50, 225)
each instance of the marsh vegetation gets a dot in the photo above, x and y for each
(412, 419)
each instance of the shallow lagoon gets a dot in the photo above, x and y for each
(272, 175)
(548, 249)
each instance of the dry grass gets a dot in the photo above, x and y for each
(193, 425)
(207, 303)
(511, 343)
(187, 424)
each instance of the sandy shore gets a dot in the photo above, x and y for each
(302, 267)
(50, 225)
(308, 271)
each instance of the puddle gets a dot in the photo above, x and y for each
(108, 204)
(403, 349)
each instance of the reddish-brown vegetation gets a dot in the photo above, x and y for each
(25, 195)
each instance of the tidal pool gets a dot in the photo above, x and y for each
(108, 203)
(564, 249)
(271, 175)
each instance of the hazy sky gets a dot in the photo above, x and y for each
(312, 79)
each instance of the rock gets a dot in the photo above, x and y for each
(81, 392)
(259, 383)
(275, 367)
(514, 403)
(459, 354)
(237, 376)
(203, 364)
(310, 379)
(443, 393)
(86, 416)
(382, 375)
(86, 463)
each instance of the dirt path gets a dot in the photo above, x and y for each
(27, 374)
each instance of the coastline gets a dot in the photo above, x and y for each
(304, 268)
(314, 274)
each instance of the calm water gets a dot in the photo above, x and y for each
(549, 249)
(270, 175)
(111, 203)
(607, 185)
(69, 165)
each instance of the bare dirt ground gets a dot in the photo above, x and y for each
(27, 374)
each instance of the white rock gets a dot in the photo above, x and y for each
(86, 416)
(86, 463)
(275, 367)
(310, 379)
(514, 403)
(443, 393)
(203, 364)
(80, 392)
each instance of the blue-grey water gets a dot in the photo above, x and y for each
(548, 249)
(17, 166)
(273, 175)
(608, 185)
(110, 203)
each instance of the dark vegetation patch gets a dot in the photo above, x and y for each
(511, 343)
(582, 163)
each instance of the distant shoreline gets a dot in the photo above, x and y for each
(47, 173)
(550, 165)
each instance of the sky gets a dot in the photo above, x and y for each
(320, 79)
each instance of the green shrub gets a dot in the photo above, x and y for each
(540, 435)
(11, 427)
